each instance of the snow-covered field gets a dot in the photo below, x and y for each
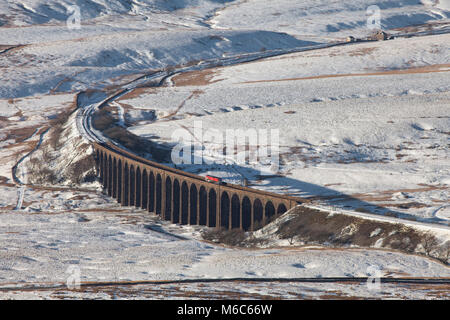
(130, 246)
(363, 126)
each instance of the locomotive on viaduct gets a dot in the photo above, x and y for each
(182, 197)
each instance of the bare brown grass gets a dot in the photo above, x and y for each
(361, 51)
(425, 69)
(136, 93)
(195, 78)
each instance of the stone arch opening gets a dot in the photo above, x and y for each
(158, 194)
(246, 213)
(144, 203)
(119, 181)
(235, 212)
(132, 186)
(212, 197)
(257, 214)
(114, 179)
(269, 212)
(225, 210)
(152, 190)
(203, 201)
(100, 164)
(176, 201)
(184, 203)
(110, 176)
(138, 200)
(126, 185)
(281, 209)
(105, 171)
(193, 205)
(168, 203)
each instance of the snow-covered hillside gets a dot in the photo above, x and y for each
(35, 12)
(332, 19)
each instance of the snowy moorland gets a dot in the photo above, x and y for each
(364, 131)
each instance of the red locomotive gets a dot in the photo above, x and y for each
(213, 179)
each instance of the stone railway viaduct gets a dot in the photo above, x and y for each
(182, 197)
